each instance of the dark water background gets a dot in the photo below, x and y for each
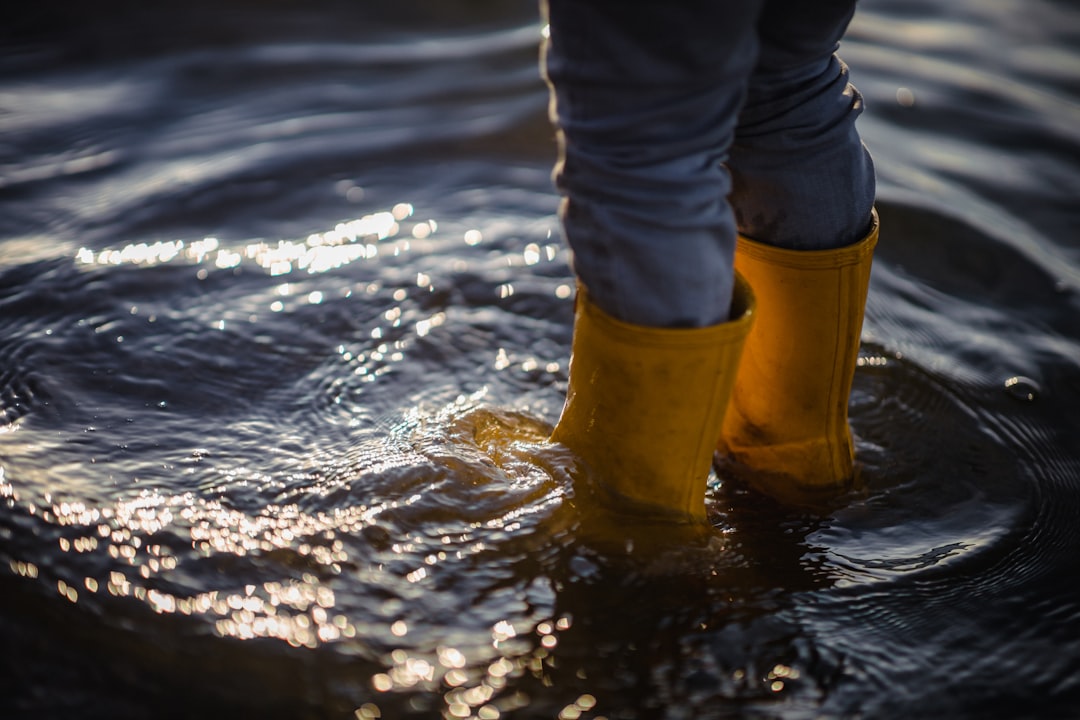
(284, 319)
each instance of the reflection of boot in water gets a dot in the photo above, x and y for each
(644, 405)
(786, 431)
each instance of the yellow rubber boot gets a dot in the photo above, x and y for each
(645, 405)
(786, 429)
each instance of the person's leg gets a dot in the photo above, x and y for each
(645, 96)
(802, 177)
(803, 195)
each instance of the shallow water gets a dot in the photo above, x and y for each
(285, 319)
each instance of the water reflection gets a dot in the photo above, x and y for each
(321, 252)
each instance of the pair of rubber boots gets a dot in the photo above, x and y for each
(646, 407)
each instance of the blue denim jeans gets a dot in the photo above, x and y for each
(683, 122)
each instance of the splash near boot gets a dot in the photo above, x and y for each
(645, 405)
(786, 431)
